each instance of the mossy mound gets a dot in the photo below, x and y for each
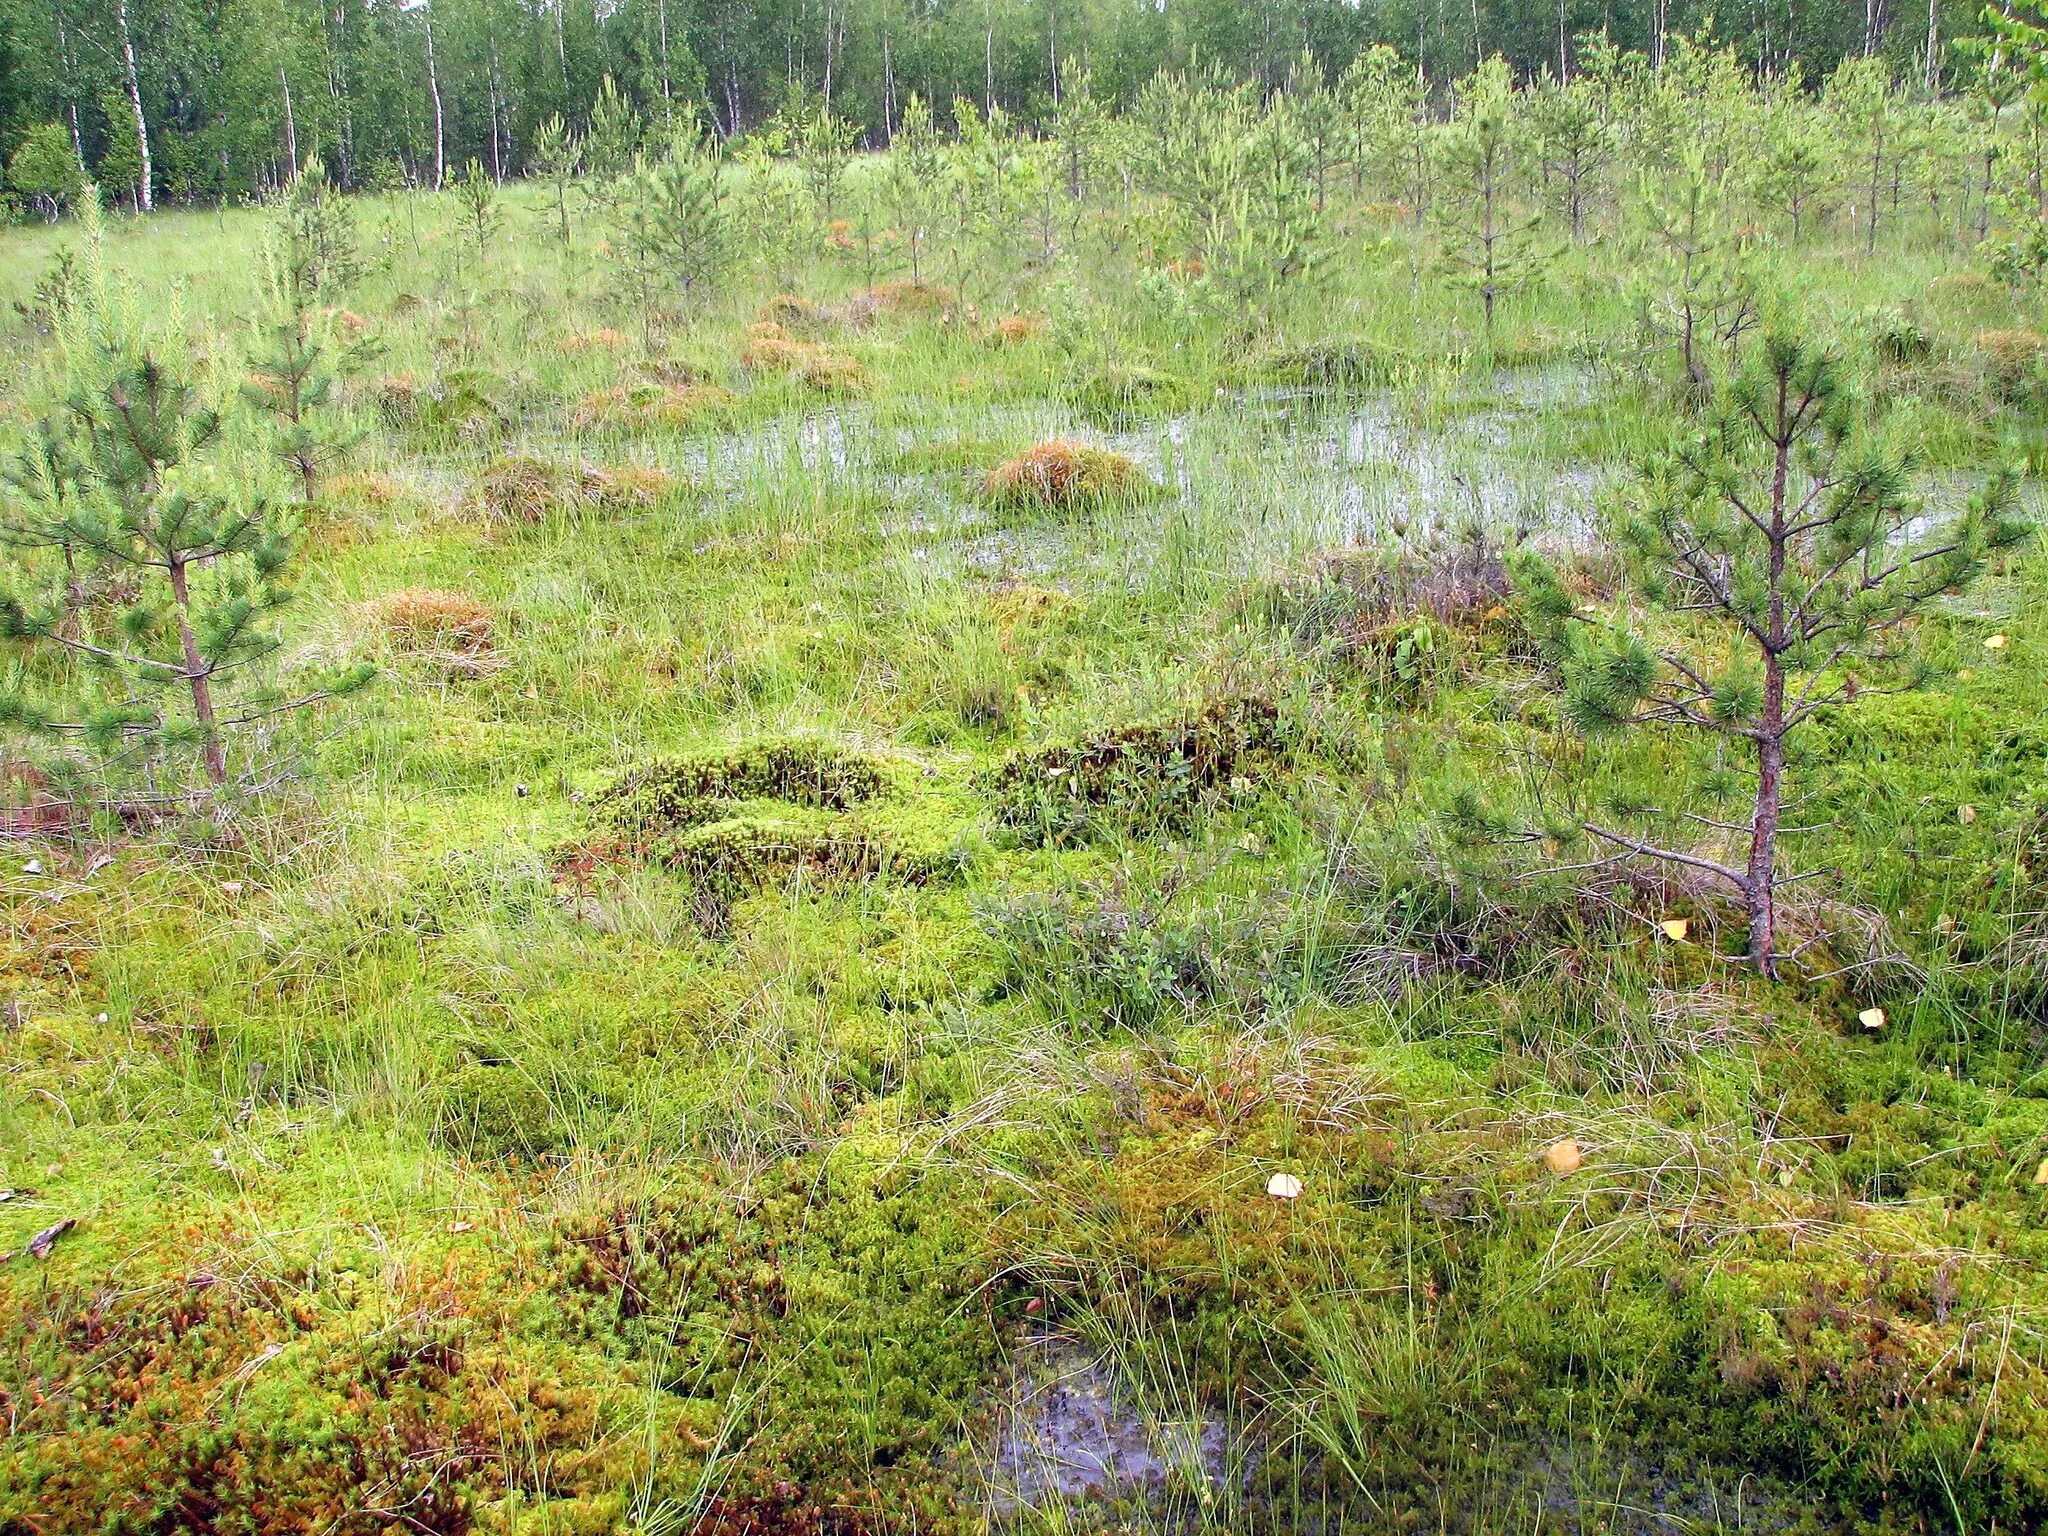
(490, 1111)
(1148, 777)
(696, 791)
(1061, 474)
(735, 822)
(1335, 366)
(1119, 394)
(771, 350)
(725, 861)
(653, 406)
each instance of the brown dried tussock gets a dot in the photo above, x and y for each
(907, 298)
(2011, 357)
(449, 629)
(771, 349)
(602, 339)
(1060, 472)
(523, 490)
(651, 407)
(364, 490)
(1015, 330)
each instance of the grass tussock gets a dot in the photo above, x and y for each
(653, 407)
(1061, 474)
(770, 349)
(522, 491)
(451, 630)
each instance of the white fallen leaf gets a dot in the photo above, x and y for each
(1871, 1018)
(32, 867)
(461, 1226)
(1284, 1186)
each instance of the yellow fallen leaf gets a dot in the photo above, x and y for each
(1872, 1018)
(1785, 1177)
(1966, 674)
(1995, 642)
(1675, 927)
(1563, 1157)
(1966, 814)
(2041, 1173)
(1284, 1186)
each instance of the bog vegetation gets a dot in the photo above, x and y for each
(1298, 809)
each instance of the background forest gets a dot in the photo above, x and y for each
(224, 97)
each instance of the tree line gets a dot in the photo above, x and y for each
(193, 101)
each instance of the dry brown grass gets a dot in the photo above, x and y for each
(2011, 357)
(1060, 473)
(364, 490)
(603, 339)
(522, 490)
(451, 630)
(793, 315)
(910, 298)
(770, 349)
(1015, 330)
(651, 407)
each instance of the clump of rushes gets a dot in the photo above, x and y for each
(1061, 473)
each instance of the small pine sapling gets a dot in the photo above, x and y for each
(291, 373)
(557, 157)
(477, 195)
(1489, 239)
(1781, 544)
(189, 556)
(679, 230)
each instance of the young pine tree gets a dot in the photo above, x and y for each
(477, 196)
(1693, 268)
(679, 230)
(1489, 239)
(557, 157)
(917, 164)
(190, 555)
(291, 373)
(1781, 543)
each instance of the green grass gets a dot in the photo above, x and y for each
(442, 1160)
